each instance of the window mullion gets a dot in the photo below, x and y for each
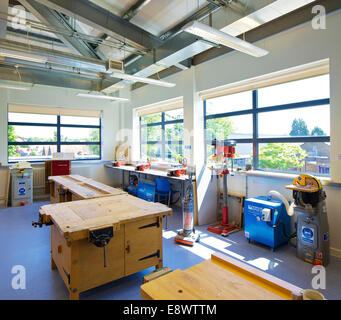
(255, 146)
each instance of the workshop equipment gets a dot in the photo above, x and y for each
(188, 235)
(146, 191)
(266, 220)
(142, 166)
(99, 240)
(224, 151)
(312, 241)
(56, 168)
(178, 170)
(220, 278)
(21, 185)
(132, 186)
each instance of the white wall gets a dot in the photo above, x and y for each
(63, 97)
(296, 46)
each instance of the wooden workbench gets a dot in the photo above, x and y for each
(75, 187)
(220, 278)
(136, 243)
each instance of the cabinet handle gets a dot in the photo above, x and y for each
(128, 248)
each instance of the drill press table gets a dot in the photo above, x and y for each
(131, 228)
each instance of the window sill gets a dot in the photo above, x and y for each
(278, 175)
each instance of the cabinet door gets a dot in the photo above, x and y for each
(143, 244)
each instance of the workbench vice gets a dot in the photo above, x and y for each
(101, 238)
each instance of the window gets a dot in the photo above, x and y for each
(161, 135)
(34, 137)
(284, 127)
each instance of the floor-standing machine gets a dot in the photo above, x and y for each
(312, 222)
(188, 236)
(224, 152)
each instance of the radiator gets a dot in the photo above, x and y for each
(39, 183)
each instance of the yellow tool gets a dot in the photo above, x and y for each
(305, 183)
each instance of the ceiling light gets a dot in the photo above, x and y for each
(103, 97)
(130, 77)
(217, 36)
(22, 56)
(15, 86)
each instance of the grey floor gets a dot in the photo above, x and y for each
(21, 244)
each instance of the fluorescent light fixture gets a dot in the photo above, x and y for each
(15, 86)
(219, 37)
(99, 96)
(22, 56)
(130, 77)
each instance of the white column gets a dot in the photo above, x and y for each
(194, 150)
(3, 126)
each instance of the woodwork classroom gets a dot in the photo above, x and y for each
(170, 150)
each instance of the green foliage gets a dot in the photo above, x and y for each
(219, 128)
(281, 156)
(317, 131)
(94, 137)
(299, 128)
(11, 138)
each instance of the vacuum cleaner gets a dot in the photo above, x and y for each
(187, 235)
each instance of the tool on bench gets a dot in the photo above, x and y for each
(224, 150)
(188, 235)
(178, 170)
(142, 166)
(312, 241)
(101, 238)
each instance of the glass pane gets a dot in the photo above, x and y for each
(236, 127)
(31, 118)
(79, 120)
(230, 103)
(80, 134)
(31, 134)
(174, 114)
(82, 151)
(151, 118)
(151, 151)
(174, 132)
(174, 152)
(295, 122)
(309, 157)
(295, 91)
(31, 153)
(151, 134)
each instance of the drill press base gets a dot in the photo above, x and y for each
(222, 229)
(187, 239)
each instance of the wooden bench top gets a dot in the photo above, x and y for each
(76, 218)
(84, 187)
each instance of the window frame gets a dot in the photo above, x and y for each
(255, 140)
(163, 124)
(58, 125)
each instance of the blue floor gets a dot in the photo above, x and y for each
(21, 244)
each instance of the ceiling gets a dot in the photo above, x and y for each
(79, 37)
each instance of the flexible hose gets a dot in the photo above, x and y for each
(289, 208)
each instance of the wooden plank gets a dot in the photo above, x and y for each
(276, 285)
(4, 185)
(75, 218)
(156, 274)
(221, 278)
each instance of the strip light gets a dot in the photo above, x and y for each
(103, 97)
(15, 86)
(130, 77)
(219, 37)
(22, 56)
